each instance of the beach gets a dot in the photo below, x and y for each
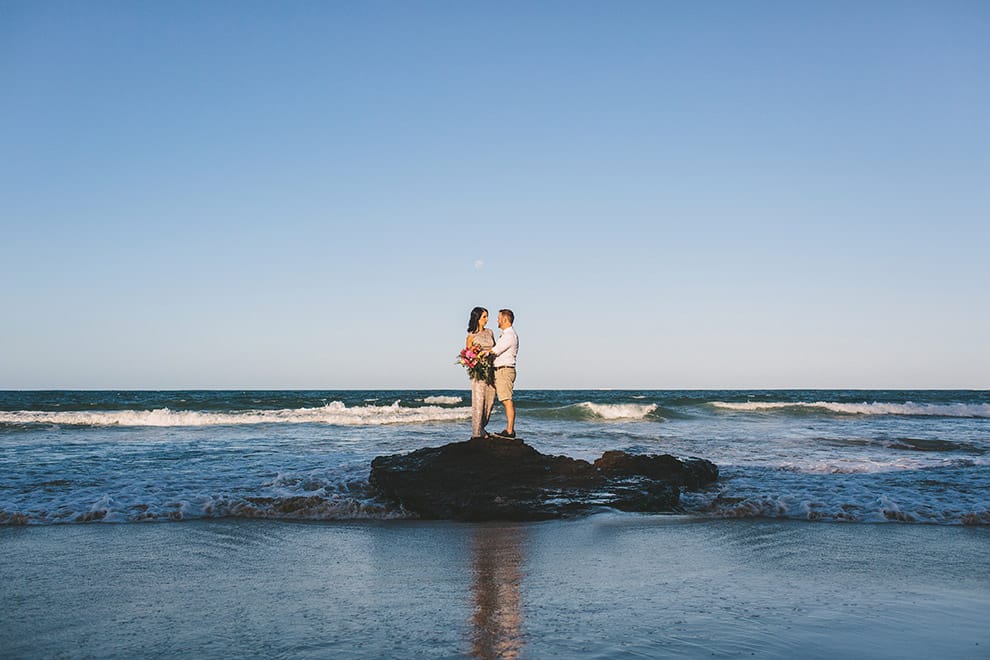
(604, 586)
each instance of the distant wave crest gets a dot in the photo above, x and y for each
(332, 413)
(440, 400)
(876, 408)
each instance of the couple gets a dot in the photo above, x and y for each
(504, 353)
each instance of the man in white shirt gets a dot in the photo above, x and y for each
(505, 351)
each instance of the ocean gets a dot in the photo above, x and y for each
(240, 525)
(83, 457)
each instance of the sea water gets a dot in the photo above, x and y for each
(126, 456)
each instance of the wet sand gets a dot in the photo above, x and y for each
(605, 586)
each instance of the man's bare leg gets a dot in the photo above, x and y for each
(510, 415)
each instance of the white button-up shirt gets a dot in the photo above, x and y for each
(505, 348)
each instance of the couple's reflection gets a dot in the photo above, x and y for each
(497, 629)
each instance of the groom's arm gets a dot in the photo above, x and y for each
(504, 343)
(501, 346)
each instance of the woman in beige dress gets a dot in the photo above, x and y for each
(482, 391)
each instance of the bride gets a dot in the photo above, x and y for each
(482, 390)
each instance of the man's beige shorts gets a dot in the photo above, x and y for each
(505, 378)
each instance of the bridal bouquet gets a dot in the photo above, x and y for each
(477, 361)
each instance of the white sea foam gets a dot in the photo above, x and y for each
(850, 465)
(440, 400)
(909, 408)
(619, 410)
(332, 413)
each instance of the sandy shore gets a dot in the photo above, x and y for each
(604, 586)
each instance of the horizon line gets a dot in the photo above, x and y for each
(518, 389)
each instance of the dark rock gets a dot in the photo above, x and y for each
(495, 479)
(691, 472)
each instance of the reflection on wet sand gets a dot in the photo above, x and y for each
(497, 630)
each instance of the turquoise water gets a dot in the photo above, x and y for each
(862, 456)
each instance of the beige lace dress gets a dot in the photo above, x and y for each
(482, 393)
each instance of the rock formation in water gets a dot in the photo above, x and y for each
(496, 479)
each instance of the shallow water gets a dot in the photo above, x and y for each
(611, 585)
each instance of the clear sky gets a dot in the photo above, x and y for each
(669, 195)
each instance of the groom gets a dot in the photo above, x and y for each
(505, 350)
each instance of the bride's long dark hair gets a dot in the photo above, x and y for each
(475, 317)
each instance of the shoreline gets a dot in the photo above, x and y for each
(597, 586)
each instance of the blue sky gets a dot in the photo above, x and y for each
(669, 195)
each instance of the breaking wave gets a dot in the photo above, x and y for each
(618, 410)
(596, 412)
(876, 408)
(333, 413)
